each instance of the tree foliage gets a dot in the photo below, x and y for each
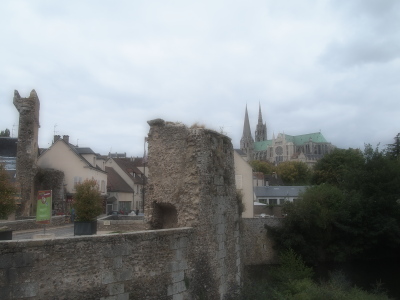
(7, 193)
(294, 172)
(292, 280)
(87, 200)
(5, 133)
(393, 150)
(262, 166)
(353, 211)
(338, 167)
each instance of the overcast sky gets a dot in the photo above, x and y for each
(102, 69)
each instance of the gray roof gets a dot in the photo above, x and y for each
(8, 147)
(240, 152)
(278, 191)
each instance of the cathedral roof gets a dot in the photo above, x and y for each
(297, 140)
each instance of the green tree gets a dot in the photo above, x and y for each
(353, 211)
(87, 201)
(5, 133)
(316, 225)
(294, 172)
(393, 150)
(341, 168)
(262, 166)
(7, 193)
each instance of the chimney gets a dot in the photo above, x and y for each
(56, 138)
(66, 138)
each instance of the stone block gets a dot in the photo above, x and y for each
(108, 277)
(5, 292)
(124, 296)
(117, 262)
(6, 260)
(25, 290)
(23, 260)
(177, 276)
(115, 288)
(177, 297)
(176, 288)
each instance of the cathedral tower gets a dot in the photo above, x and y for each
(247, 141)
(261, 129)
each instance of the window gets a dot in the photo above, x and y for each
(273, 201)
(77, 180)
(103, 186)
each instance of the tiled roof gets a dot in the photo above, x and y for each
(263, 145)
(129, 167)
(115, 183)
(278, 191)
(240, 152)
(297, 140)
(8, 147)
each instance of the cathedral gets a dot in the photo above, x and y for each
(307, 148)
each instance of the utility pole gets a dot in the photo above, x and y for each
(144, 171)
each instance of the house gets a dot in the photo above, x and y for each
(277, 195)
(8, 152)
(77, 164)
(244, 182)
(120, 194)
(127, 170)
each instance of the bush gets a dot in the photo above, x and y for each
(87, 201)
(7, 193)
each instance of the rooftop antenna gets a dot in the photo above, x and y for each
(12, 130)
(54, 132)
(77, 142)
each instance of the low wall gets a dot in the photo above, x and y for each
(106, 224)
(28, 224)
(139, 265)
(257, 246)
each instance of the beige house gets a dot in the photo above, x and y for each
(120, 194)
(77, 164)
(244, 182)
(127, 170)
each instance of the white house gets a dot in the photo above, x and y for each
(77, 164)
(127, 170)
(244, 182)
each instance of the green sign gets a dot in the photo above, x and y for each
(44, 207)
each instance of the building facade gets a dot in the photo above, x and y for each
(307, 148)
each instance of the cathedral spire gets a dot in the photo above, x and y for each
(247, 142)
(261, 129)
(246, 125)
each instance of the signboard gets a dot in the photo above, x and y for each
(44, 207)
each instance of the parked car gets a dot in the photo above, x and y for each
(114, 213)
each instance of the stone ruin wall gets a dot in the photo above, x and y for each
(141, 265)
(27, 148)
(258, 246)
(192, 183)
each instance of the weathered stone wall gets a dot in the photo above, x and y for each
(142, 265)
(121, 225)
(192, 183)
(27, 148)
(27, 224)
(257, 245)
